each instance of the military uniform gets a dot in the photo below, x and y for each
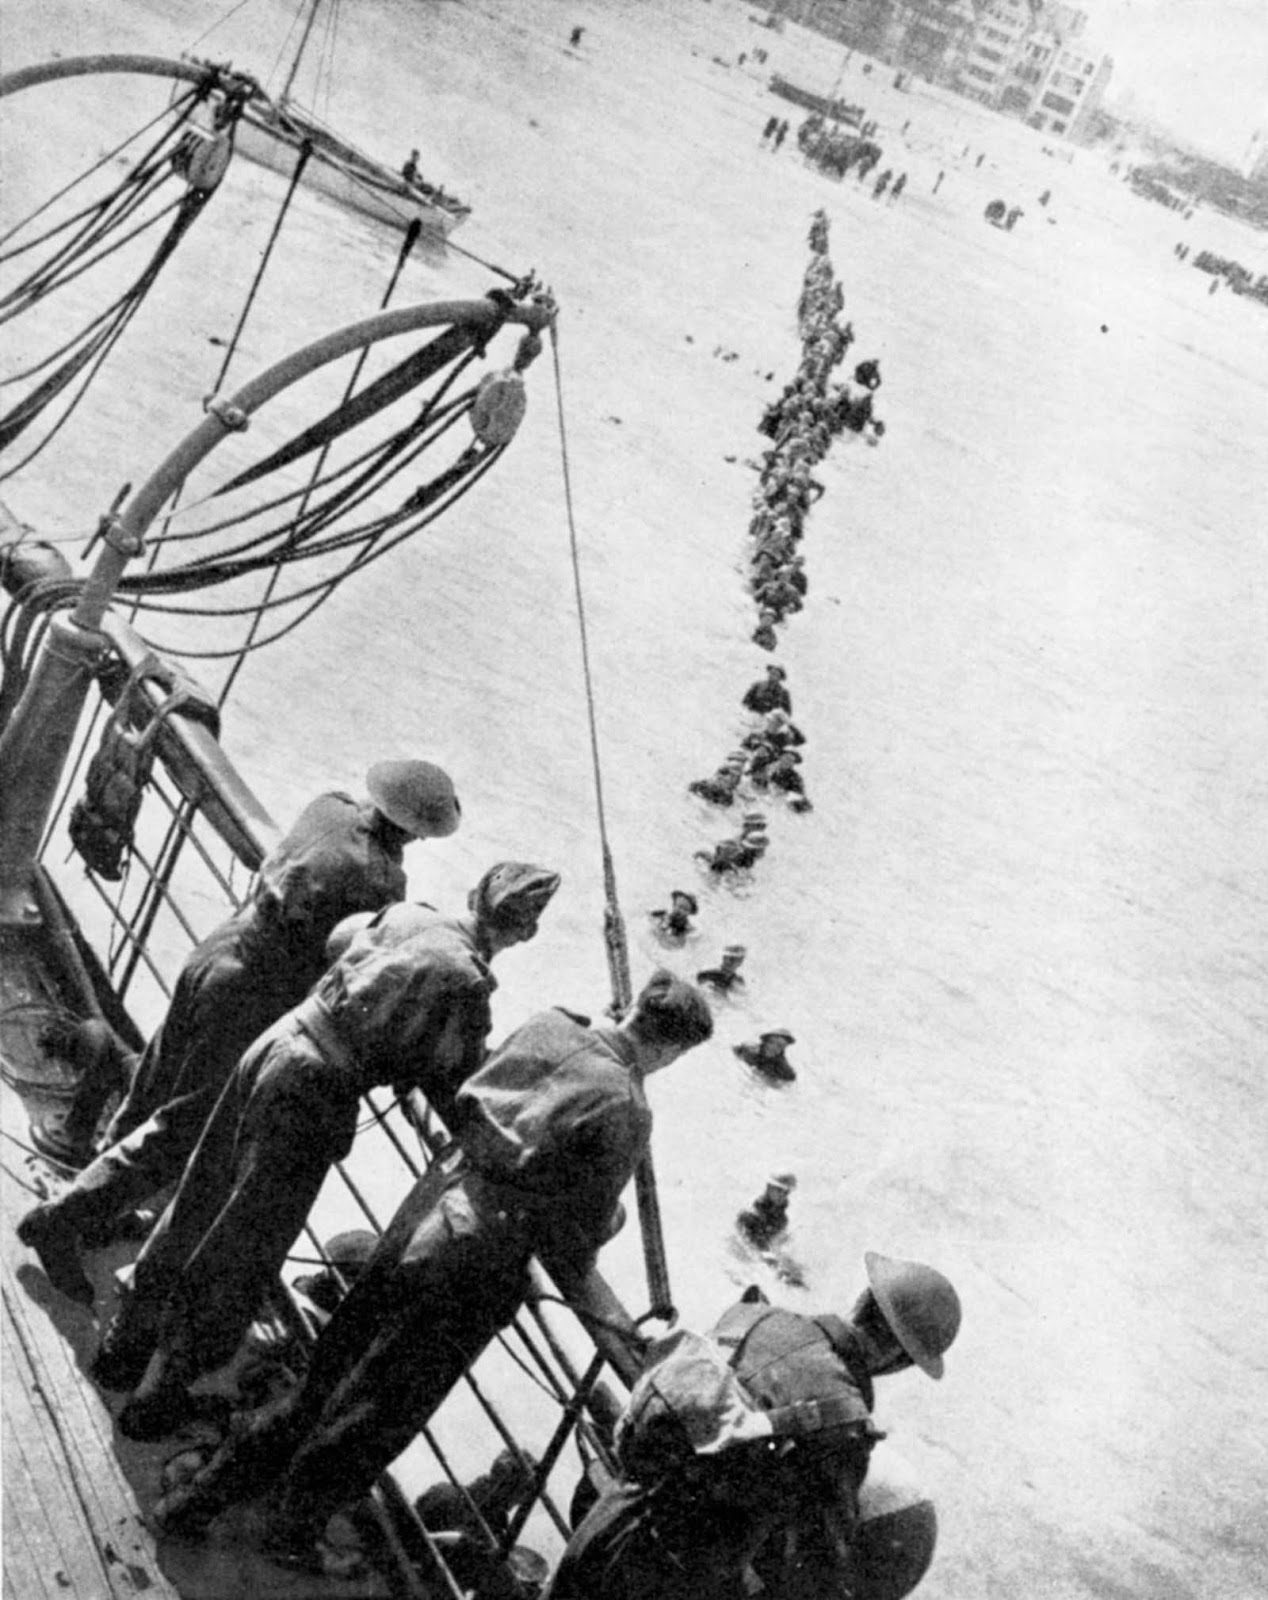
(787, 1514)
(768, 694)
(552, 1128)
(406, 1003)
(332, 864)
(235, 985)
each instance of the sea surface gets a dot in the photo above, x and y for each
(1020, 938)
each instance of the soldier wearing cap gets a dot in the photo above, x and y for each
(346, 1255)
(554, 1125)
(342, 857)
(719, 790)
(777, 1515)
(675, 923)
(738, 854)
(725, 977)
(769, 693)
(767, 1217)
(406, 1004)
(767, 1055)
(764, 634)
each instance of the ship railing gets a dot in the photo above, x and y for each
(201, 834)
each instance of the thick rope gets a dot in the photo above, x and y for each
(257, 621)
(305, 150)
(614, 938)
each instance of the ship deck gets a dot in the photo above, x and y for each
(76, 1493)
(72, 1512)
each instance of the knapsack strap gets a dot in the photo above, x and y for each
(814, 1416)
(735, 1341)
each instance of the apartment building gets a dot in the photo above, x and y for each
(992, 54)
(1028, 59)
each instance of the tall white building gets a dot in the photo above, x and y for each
(1031, 60)
(997, 42)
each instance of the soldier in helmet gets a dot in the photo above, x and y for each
(406, 1004)
(343, 856)
(777, 1514)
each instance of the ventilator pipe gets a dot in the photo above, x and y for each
(37, 741)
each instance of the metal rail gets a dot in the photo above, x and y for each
(178, 894)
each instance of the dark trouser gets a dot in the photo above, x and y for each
(447, 1276)
(463, 1280)
(148, 1160)
(636, 1543)
(283, 1118)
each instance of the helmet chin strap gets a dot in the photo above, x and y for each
(885, 1355)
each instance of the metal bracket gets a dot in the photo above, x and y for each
(111, 529)
(231, 417)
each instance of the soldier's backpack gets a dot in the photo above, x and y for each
(689, 1403)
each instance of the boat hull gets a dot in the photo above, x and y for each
(340, 173)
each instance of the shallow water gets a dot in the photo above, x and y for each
(1020, 937)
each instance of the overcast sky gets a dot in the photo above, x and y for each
(1200, 66)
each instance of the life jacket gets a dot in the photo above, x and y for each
(103, 821)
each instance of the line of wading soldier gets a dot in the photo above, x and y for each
(801, 424)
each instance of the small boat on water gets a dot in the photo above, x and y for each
(276, 133)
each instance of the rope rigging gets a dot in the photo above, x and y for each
(616, 944)
(84, 240)
(337, 517)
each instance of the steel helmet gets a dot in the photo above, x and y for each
(920, 1306)
(513, 894)
(416, 796)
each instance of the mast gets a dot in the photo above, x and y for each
(313, 9)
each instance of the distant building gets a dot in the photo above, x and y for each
(931, 37)
(993, 52)
(1024, 58)
(1255, 165)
